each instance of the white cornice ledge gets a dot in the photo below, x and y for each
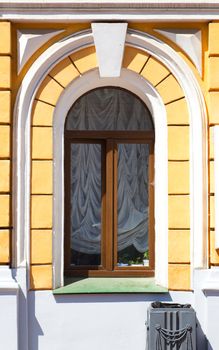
(153, 4)
(109, 10)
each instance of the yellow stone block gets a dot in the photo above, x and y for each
(42, 143)
(4, 175)
(41, 277)
(5, 72)
(213, 73)
(134, 59)
(64, 72)
(4, 246)
(178, 142)
(214, 253)
(177, 112)
(213, 44)
(4, 141)
(170, 90)
(178, 177)
(179, 276)
(42, 114)
(41, 211)
(211, 176)
(212, 212)
(211, 142)
(41, 177)
(49, 91)
(5, 42)
(4, 210)
(154, 71)
(85, 59)
(179, 211)
(179, 246)
(5, 106)
(213, 107)
(41, 246)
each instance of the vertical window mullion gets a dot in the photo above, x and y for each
(151, 207)
(115, 196)
(109, 205)
(67, 163)
(103, 208)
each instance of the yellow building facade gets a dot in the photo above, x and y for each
(172, 64)
(46, 98)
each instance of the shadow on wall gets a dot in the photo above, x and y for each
(33, 343)
(48, 315)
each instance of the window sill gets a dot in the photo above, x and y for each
(110, 285)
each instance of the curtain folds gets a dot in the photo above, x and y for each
(109, 109)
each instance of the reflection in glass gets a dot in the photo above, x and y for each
(132, 204)
(85, 204)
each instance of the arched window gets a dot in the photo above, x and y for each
(109, 167)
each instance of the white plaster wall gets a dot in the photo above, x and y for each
(41, 321)
(206, 298)
(212, 319)
(9, 291)
(8, 320)
(94, 322)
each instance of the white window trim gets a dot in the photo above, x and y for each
(198, 140)
(148, 94)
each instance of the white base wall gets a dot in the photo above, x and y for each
(94, 322)
(8, 310)
(41, 321)
(8, 320)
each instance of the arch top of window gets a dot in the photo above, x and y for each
(109, 108)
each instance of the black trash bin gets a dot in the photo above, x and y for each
(171, 326)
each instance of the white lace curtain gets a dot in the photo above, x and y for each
(109, 109)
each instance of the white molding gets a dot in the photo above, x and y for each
(109, 56)
(198, 140)
(216, 184)
(147, 93)
(139, 15)
(111, 3)
(211, 283)
(29, 41)
(111, 10)
(189, 40)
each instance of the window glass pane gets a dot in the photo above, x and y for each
(85, 204)
(109, 109)
(132, 204)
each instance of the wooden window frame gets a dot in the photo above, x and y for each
(108, 140)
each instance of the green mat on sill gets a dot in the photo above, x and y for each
(109, 285)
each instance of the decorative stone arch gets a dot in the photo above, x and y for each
(148, 94)
(22, 121)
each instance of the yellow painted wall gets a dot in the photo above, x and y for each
(42, 158)
(213, 108)
(5, 142)
(178, 130)
(178, 161)
(41, 181)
